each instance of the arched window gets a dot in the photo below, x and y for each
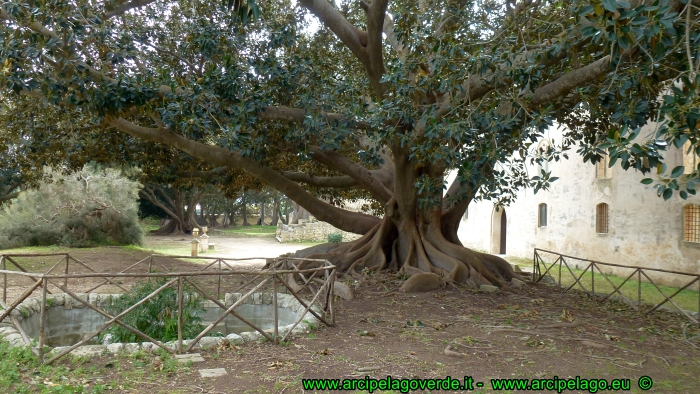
(601, 218)
(542, 152)
(690, 159)
(691, 223)
(542, 215)
(602, 170)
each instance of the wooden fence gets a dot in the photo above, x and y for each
(316, 280)
(558, 262)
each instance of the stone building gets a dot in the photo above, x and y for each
(597, 213)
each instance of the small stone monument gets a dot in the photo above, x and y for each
(195, 242)
(204, 240)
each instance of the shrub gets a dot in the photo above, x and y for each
(335, 237)
(157, 317)
(85, 208)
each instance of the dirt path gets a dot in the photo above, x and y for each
(231, 246)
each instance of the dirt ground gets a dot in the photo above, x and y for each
(537, 333)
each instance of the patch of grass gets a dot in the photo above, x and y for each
(257, 231)
(686, 299)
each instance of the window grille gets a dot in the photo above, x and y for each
(601, 219)
(691, 223)
(542, 217)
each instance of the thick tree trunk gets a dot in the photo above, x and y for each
(245, 212)
(275, 211)
(181, 211)
(261, 218)
(420, 242)
(299, 213)
(286, 212)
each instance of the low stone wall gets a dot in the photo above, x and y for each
(310, 231)
(66, 315)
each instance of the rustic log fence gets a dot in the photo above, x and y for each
(317, 280)
(561, 262)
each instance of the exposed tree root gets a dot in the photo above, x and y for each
(418, 250)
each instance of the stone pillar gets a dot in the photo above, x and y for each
(204, 241)
(195, 248)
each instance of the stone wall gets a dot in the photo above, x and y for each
(69, 317)
(310, 231)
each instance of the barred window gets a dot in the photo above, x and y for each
(542, 215)
(601, 218)
(691, 223)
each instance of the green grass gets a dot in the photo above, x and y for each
(686, 299)
(20, 372)
(258, 231)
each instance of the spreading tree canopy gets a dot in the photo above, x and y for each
(381, 98)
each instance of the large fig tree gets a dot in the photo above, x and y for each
(380, 99)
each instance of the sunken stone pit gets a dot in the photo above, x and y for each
(68, 322)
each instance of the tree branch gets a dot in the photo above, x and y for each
(356, 171)
(339, 182)
(354, 38)
(350, 221)
(150, 196)
(375, 27)
(124, 7)
(565, 83)
(297, 115)
(10, 196)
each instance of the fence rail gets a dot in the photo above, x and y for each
(562, 262)
(316, 277)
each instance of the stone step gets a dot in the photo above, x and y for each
(212, 373)
(185, 358)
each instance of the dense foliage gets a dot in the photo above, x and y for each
(375, 100)
(157, 317)
(85, 208)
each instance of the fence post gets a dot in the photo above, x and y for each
(42, 319)
(65, 280)
(274, 302)
(639, 288)
(593, 279)
(561, 260)
(218, 284)
(179, 314)
(4, 279)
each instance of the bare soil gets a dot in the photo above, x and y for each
(537, 333)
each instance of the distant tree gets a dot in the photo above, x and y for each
(85, 208)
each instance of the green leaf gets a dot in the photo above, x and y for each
(667, 194)
(683, 194)
(610, 5)
(647, 181)
(678, 171)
